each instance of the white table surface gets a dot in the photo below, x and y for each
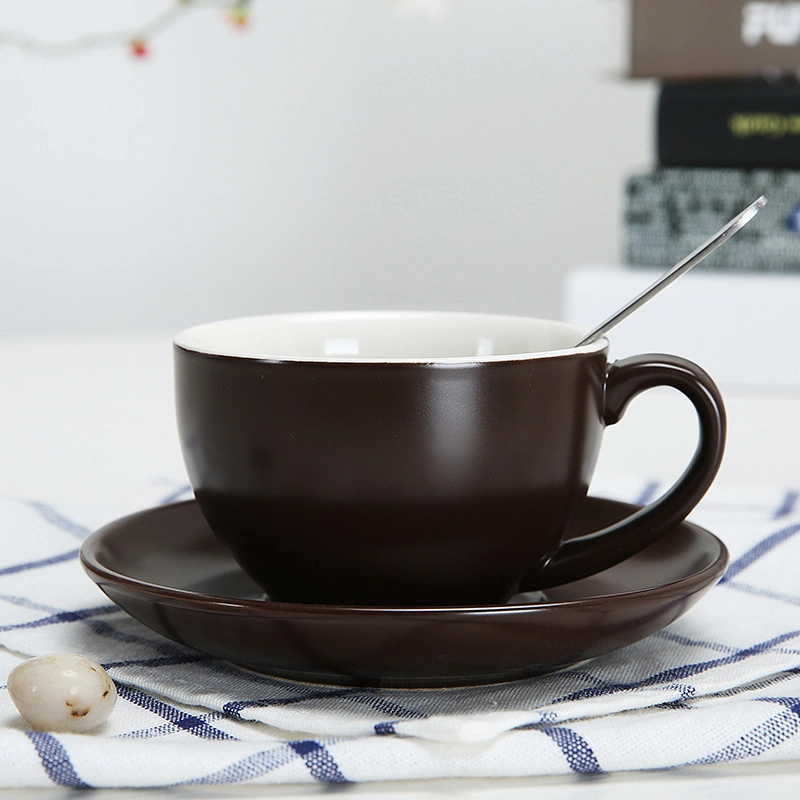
(90, 420)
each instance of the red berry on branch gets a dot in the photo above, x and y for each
(238, 16)
(139, 48)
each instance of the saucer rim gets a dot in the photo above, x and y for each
(177, 597)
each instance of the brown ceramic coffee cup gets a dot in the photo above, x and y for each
(416, 458)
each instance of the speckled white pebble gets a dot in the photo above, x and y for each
(62, 692)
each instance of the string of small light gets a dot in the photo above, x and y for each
(137, 40)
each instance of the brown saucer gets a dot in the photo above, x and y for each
(165, 568)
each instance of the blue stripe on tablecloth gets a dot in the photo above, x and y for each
(190, 723)
(61, 617)
(151, 732)
(161, 661)
(248, 769)
(59, 520)
(356, 695)
(576, 749)
(788, 504)
(681, 672)
(31, 605)
(763, 737)
(56, 760)
(319, 761)
(172, 653)
(384, 729)
(761, 549)
(648, 494)
(686, 641)
(176, 495)
(767, 593)
(39, 563)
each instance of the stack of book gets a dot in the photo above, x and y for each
(727, 130)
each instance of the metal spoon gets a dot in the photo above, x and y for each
(672, 274)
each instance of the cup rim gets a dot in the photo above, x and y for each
(190, 339)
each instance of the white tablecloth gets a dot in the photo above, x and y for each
(89, 434)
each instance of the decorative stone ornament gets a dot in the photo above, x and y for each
(62, 692)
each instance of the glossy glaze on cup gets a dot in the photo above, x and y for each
(377, 478)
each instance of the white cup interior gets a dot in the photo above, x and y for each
(414, 336)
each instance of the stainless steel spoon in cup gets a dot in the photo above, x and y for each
(681, 268)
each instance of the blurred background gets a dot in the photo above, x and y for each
(460, 154)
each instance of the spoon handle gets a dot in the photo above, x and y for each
(672, 274)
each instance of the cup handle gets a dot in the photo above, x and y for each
(592, 552)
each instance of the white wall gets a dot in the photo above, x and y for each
(336, 154)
